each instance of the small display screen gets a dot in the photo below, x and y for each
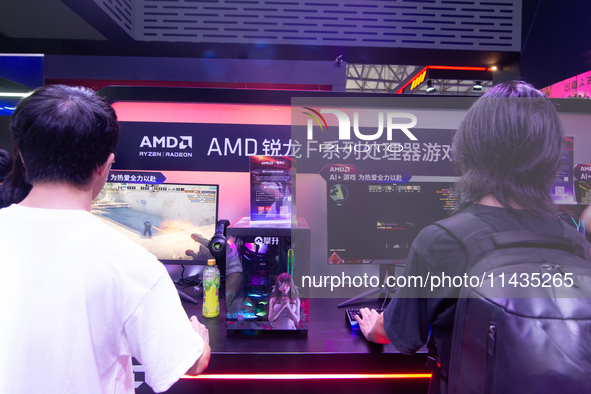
(270, 188)
(562, 187)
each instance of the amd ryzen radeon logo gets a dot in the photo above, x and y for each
(167, 142)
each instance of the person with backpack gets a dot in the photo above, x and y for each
(508, 149)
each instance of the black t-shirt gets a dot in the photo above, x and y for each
(409, 317)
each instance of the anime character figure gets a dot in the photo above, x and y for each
(284, 304)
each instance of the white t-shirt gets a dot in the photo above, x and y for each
(77, 301)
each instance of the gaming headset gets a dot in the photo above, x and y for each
(217, 244)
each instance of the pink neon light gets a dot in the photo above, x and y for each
(203, 113)
(311, 376)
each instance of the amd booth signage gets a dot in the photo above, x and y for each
(154, 146)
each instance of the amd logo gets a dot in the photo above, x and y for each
(167, 142)
(345, 125)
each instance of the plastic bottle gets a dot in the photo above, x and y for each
(211, 286)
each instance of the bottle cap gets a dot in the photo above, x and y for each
(211, 262)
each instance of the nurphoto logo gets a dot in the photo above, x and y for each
(345, 124)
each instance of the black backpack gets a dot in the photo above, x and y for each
(526, 326)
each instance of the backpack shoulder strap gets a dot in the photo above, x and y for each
(471, 232)
(580, 244)
(465, 228)
(478, 237)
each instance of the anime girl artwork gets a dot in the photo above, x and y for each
(284, 304)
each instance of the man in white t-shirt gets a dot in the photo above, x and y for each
(77, 299)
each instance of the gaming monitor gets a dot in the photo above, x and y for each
(173, 221)
(377, 222)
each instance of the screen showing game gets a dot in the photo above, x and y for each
(173, 221)
(377, 222)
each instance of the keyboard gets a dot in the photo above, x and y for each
(350, 317)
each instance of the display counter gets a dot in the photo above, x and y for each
(328, 357)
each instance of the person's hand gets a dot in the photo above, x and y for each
(203, 360)
(200, 329)
(233, 285)
(284, 302)
(367, 321)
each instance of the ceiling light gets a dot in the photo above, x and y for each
(430, 87)
(15, 95)
(477, 85)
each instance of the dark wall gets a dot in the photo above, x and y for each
(5, 140)
(556, 40)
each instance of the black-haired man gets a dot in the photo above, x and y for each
(77, 298)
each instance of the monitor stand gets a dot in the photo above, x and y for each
(384, 272)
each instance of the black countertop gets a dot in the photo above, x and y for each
(241, 360)
(328, 340)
